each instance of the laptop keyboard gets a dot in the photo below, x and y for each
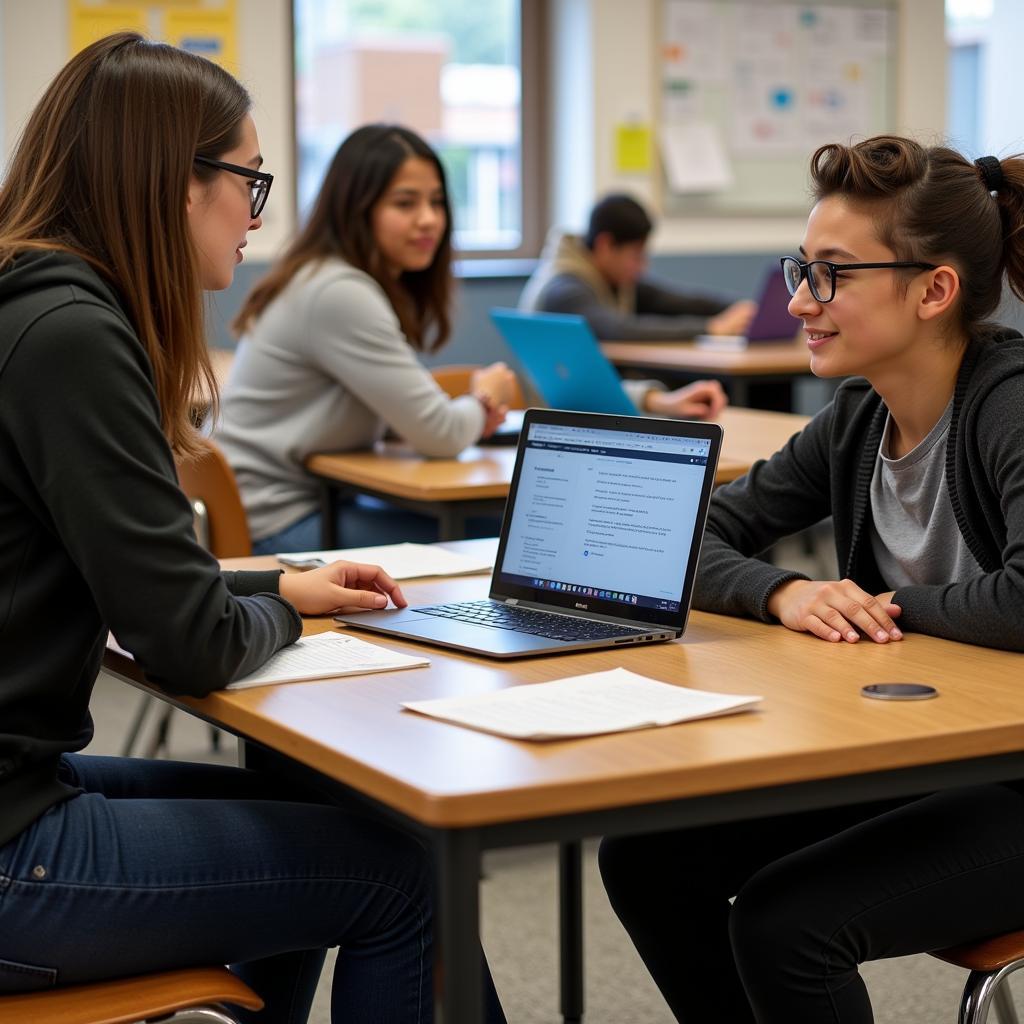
(527, 620)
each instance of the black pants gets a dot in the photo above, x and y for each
(817, 894)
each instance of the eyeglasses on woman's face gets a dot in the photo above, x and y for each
(821, 274)
(259, 182)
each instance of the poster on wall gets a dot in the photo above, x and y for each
(206, 27)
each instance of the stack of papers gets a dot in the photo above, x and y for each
(399, 561)
(601, 702)
(324, 656)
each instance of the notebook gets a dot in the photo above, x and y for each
(324, 656)
(599, 541)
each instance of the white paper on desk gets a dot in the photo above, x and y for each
(722, 342)
(601, 702)
(402, 561)
(323, 656)
(695, 158)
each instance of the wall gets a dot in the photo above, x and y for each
(603, 71)
(622, 41)
(34, 46)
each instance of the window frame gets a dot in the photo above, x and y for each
(533, 129)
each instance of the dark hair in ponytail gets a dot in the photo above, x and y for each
(932, 205)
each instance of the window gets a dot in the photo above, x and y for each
(451, 70)
(967, 30)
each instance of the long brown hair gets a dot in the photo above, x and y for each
(341, 225)
(102, 171)
(931, 204)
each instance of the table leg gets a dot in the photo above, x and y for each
(458, 927)
(570, 913)
(451, 522)
(328, 516)
(739, 392)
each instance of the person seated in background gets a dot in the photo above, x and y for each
(328, 356)
(600, 276)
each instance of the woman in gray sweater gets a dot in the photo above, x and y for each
(328, 359)
(920, 462)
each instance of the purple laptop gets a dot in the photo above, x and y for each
(772, 321)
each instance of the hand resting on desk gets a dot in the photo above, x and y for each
(701, 400)
(734, 319)
(835, 610)
(340, 587)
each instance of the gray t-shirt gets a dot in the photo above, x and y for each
(915, 539)
(325, 369)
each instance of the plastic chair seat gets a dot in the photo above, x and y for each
(129, 1000)
(988, 955)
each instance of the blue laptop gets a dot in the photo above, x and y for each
(564, 361)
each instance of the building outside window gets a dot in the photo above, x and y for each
(450, 70)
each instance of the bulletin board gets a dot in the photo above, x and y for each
(750, 88)
(206, 27)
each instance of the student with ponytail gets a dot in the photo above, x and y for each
(919, 460)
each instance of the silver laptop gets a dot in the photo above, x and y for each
(599, 542)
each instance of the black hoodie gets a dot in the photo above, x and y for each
(95, 533)
(825, 470)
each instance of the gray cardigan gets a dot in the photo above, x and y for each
(327, 368)
(826, 471)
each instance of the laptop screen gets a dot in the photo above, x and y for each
(607, 519)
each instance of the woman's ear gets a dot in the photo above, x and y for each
(939, 294)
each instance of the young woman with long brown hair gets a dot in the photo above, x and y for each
(328, 354)
(131, 190)
(920, 462)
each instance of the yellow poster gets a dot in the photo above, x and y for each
(210, 32)
(632, 148)
(206, 27)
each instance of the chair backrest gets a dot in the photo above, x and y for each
(209, 479)
(130, 1000)
(456, 381)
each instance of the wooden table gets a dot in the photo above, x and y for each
(761, 361)
(813, 742)
(477, 481)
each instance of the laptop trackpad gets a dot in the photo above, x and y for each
(483, 638)
(446, 631)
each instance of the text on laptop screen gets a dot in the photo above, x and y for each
(606, 513)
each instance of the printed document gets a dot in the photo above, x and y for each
(323, 656)
(400, 561)
(601, 702)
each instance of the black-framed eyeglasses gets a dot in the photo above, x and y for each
(821, 274)
(259, 182)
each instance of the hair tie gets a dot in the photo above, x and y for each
(991, 172)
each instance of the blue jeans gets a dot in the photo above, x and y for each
(366, 522)
(160, 865)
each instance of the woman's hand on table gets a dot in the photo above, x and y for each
(341, 587)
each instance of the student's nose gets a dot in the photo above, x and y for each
(429, 215)
(803, 303)
(256, 223)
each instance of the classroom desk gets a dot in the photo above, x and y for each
(477, 481)
(762, 361)
(813, 742)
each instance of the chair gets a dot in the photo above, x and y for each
(990, 962)
(209, 479)
(221, 527)
(193, 995)
(455, 381)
